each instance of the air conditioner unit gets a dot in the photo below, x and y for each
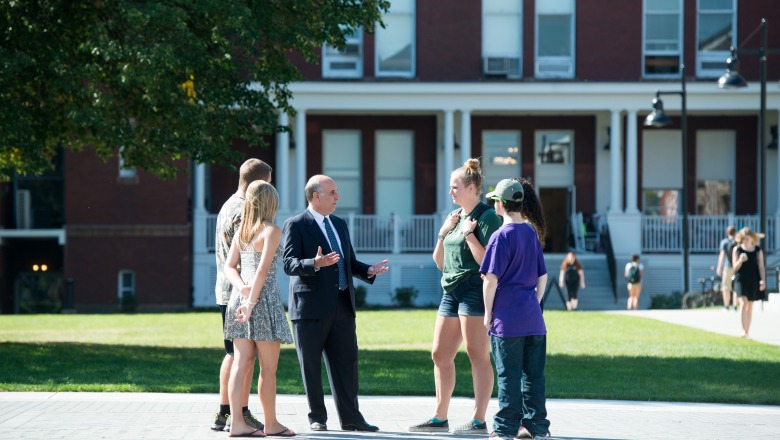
(501, 66)
(352, 49)
(23, 209)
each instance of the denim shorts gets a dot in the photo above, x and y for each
(465, 299)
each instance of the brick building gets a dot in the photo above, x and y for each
(556, 90)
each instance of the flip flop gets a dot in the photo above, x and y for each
(250, 434)
(285, 433)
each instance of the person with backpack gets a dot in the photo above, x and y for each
(725, 269)
(459, 251)
(573, 277)
(633, 273)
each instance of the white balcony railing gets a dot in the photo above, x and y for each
(664, 233)
(371, 233)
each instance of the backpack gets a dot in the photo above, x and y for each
(479, 210)
(730, 251)
(571, 276)
(477, 213)
(634, 276)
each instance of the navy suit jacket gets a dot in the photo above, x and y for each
(314, 294)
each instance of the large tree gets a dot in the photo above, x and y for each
(163, 80)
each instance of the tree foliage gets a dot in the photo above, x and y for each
(163, 80)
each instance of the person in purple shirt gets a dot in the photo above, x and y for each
(514, 280)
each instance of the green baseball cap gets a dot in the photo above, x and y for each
(507, 190)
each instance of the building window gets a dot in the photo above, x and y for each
(341, 161)
(663, 202)
(553, 147)
(126, 285)
(501, 156)
(662, 35)
(395, 49)
(555, 38)
(346, 63)
(126, 173)
(713, 197)
(716, 171)
(715, 34)
(502, 38)
(394, 172)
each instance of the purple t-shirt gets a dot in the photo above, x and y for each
(514, 255)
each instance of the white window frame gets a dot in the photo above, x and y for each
(125, 172)
(704, 58)
(646, 53)
(496, 164)
(571, 60)
(401, 201)
(331, 56)
(553, 174)
(122, 290)
(343, 175)
(505, 59)
(412, 62)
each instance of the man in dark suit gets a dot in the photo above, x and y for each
(322, 303)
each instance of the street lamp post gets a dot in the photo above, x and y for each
(733, 80)
(658, 118)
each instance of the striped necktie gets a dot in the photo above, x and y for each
(334, 245)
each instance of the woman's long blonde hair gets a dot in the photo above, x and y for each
(747, 232)
(260, 206)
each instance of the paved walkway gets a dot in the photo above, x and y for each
(765, 326)
(187, 416)
(86, 416)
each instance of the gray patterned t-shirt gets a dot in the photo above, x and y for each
(228, 220)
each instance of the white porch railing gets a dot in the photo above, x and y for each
(663, 234)
(371, 233)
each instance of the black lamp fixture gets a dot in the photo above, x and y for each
(659, 119)
(731, 80)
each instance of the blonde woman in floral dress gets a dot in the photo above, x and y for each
(255, 316)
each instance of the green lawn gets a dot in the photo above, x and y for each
(590, 355)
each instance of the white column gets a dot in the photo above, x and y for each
(776, 173)
(615, 165)
(632, 164)
(203, 261)
(465, 135)
(282, 172)
(199, 192)
(777, 190)
(200, 214)
(300, 159)
(449, 146)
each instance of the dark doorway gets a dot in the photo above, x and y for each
(555, 202)
(33, 273)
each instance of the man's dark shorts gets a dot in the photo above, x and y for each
(228, 342)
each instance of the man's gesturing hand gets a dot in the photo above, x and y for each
(378, 268)
(325, 260)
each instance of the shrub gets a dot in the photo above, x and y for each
(670, 301)
(128, 303)
(360, 296)
(404, 296)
